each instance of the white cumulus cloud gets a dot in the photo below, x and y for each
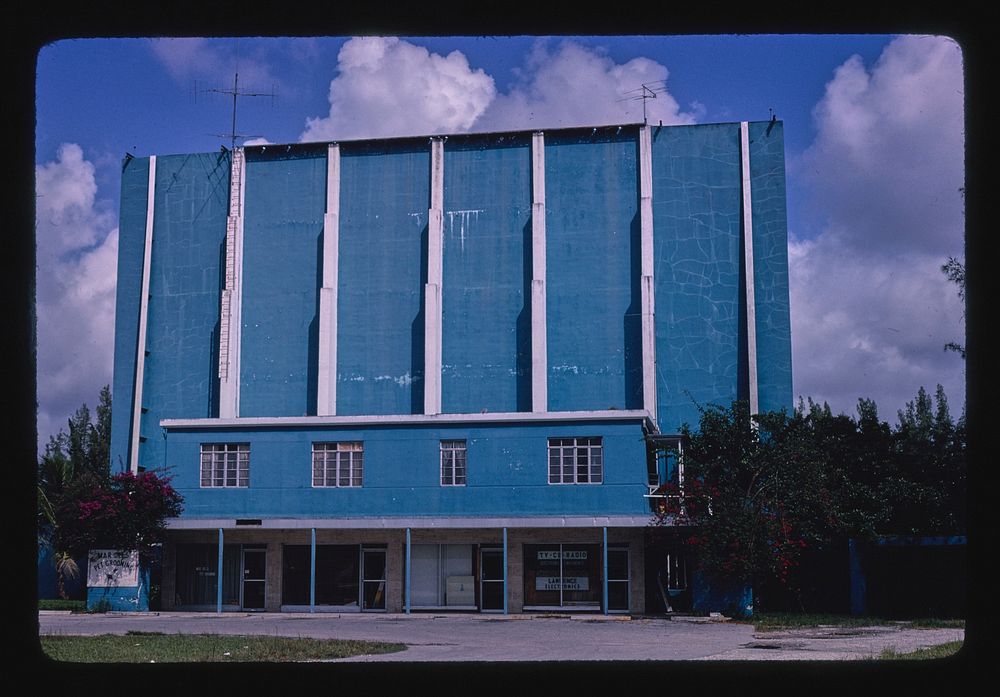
(390, 87)
(77, 248)
(871, 309)
(571, 85)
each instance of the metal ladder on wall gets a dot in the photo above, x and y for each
(235, 210)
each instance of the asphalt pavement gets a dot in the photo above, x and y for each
(528, 638)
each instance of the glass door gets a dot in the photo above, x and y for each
(491, 580)
(373, 578)
(254, 566)
(618, 579)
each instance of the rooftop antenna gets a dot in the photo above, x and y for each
(647, 91)
(235, 92)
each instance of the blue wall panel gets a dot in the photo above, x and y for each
(696, 257)
(282, 248)
(592, 270)
(131, 243)
(507, 472)
(384, 199)
(486, 302)
(189, 230)
(770, 246)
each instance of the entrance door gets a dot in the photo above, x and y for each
(254, 566)
(491, 579)
(373, 578)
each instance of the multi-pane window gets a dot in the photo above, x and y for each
(337, 464)
(225, 464)
(576, 461)
(453, 462)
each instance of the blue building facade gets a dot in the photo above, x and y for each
(425, 373)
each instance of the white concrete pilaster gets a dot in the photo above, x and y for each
(326, 387)
(232, 294)
(646, 282)
(539, 343)
(140, 351)
(748, 259)
(432, 289)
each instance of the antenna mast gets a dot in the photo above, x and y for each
(646, 92)
(236, 93)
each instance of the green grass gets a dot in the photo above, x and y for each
(939, 651)
(146, 647)
(777, 621)
(59, 604)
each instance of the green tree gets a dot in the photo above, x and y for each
(756, 491)
(71, 460)
(126, 512)
(955, 271)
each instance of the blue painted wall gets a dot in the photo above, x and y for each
(697, 257)
(592, 241)
(384, 200)
(189, 231)
(593, 269)
(282, 247)
(131, 243)
(486, 305)
(507, 472)
(770, 246)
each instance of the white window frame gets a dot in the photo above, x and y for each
(577, 460)
(225, 465)
(453, 473)
(338, 464)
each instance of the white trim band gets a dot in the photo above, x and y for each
(412, 419)
(415, 522)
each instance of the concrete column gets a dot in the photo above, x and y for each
(432, 290)
(539, 345)
(218, 577)
(604, 582)
(646, 282)
(312, 571)
(505, 571)
(140, 352)
(326, 387)
(232, 294)
(407, 587)
(272, 577)
(748, 258)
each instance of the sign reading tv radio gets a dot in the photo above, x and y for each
(566, 583)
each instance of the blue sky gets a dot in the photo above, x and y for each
(874, 140)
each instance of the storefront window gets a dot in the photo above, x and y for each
(197, 567)
(562, 576)
(337, 576)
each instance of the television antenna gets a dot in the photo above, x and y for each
(236, 93)
(645, 92)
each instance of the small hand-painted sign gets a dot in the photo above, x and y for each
(109, 568)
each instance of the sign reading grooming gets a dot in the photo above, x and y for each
(107, 568)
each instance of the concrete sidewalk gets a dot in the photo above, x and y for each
(475, 637)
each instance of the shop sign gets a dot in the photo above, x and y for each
(568, 583)
(567, 554)
(108, 568)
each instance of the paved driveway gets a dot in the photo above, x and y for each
(459, 638)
